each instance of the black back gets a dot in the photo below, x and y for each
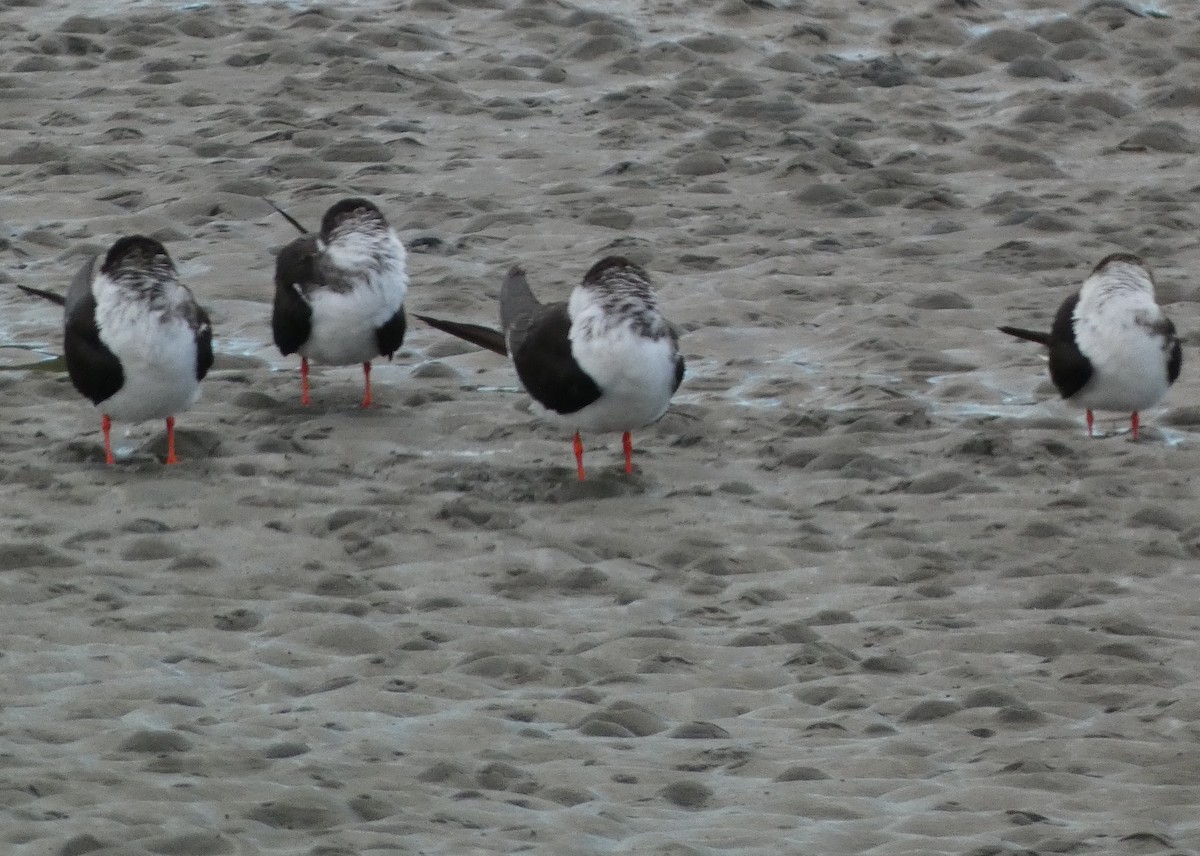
(1070, 370)
(390, 336)
(291, 315)
(94, 370)
(547, 368)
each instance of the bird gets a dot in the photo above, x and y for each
(605, 360)
(136, 342)
(1111, 346)
(339, 293)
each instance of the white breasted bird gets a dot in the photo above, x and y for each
(1111, 347)
(605, 360)
(339, 294)
(136, 342)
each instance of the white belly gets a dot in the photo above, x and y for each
(159, 367)
(1129, 373)
(344, 325)
(636, 376)
(1124, 388)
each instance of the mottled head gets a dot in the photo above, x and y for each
(136, 258)
(617, 273)
(615, 293)
(1120, 259)
(1120, 272)
(352, 215)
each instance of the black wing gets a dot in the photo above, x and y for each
(391, 335)
(204, 349)
(291, 316)
(541, 354)
(1174, 353)
(679, 364)
(45, 295)
(484, 337)
(1027, 335)
(94, 369)
(1070, 370)
(517, 303)
(80, 289)
(286, 216)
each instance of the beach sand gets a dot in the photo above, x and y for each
(871, 589)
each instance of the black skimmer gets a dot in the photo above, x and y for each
(135, 340)
(1111, 346)
(339, 294)
(606, 360)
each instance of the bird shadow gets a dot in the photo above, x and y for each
(537, 484)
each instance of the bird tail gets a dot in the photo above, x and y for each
(1028, 335)
(484, 337)
(46, 295)
(287, 216)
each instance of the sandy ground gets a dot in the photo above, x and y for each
(870, 591)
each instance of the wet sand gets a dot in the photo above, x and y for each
(870, 590)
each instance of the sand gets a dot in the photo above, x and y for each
(870, 591)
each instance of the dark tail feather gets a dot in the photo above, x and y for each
(46, 295)
(484, 337)
(287, 216)
(1028, 335)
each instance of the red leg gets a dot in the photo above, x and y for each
(304, 399)
(1135, 423)
(579, 454)
(171, 459)
(627, 442)
(1090, 420)
(367, 383)
(106, 427)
